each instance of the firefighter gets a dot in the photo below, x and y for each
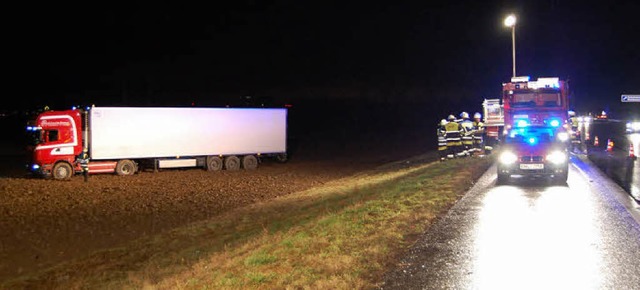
(573, 121)
(478, 132)
(442, 139)
(453, 134)
(467, 134)
(83, 160)
(574, 130)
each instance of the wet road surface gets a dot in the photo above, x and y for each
(530, 235)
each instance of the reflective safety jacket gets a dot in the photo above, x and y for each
(442, 138)
(478, 131)
(467, 136)
(573, 121)
(453, 133)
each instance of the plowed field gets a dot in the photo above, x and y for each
(45, 222)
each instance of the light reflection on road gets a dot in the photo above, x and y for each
(538, 238)
(530, 235)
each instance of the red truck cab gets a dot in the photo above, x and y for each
(541, 102)
(57, 141)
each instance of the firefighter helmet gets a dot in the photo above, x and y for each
(451, 118)
(477, 116)
(572, 113)
(464, 115)
(443, 122)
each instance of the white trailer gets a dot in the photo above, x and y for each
(187, 137)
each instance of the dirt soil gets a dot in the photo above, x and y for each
(45, 222)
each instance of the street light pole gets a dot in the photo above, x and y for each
(510, 21)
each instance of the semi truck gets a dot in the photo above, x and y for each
(124, 140)
(535, 131)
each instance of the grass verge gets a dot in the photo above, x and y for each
(342, 235)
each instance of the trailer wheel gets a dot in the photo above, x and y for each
(282, 158)
(249, 162)
(62, 171)
(214, 163)
(126, 167)
(232, 163)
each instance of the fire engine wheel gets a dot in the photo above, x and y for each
(249, 162)
(214, 163)
(62, 171)
(561, 178)
(503, 178)
(232, 163)
(126, 167)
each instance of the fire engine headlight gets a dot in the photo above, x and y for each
(633, 126)
(557, 157)
(35, 167)
(563, 136)
(508, 158)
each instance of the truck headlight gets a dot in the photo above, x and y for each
(633, 126)
(557, 157)
(508, 158)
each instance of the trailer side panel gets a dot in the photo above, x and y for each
(130, 133)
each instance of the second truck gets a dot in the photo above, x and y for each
(122, 140)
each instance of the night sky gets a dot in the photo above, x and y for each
(392, 51)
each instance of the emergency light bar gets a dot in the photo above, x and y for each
(522, 79)
(522, 123)
(553, 122)
(545, 83)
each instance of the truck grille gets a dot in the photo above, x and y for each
(531, 159)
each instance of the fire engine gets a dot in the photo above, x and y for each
(534, 130)
(122, 140)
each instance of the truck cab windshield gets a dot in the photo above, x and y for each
(536, 99)
(34, 137)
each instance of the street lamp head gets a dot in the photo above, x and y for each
(510, 21)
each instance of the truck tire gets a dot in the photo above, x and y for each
(214, 163)
(62, 171)
(249, 162)
(126, 167)
(232, 163)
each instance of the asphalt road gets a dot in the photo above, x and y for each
(527, 235)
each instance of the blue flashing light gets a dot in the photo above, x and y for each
(532, 140)
(522, 123)
(554, 123)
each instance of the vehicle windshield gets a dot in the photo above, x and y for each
(34, 136)
(532, 135)
(540, 98)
